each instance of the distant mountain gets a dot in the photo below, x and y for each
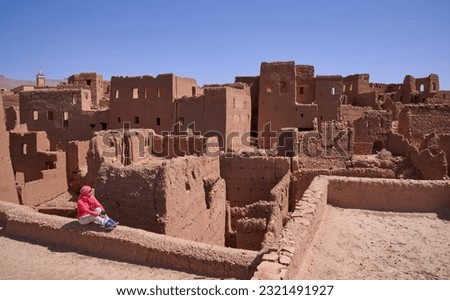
(9, 83)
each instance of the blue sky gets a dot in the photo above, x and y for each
(214, 41)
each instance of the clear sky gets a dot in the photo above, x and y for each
(214, 41)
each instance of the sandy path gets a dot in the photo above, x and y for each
(362, 244)
(22, 260)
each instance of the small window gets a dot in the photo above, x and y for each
(283, 87)
(88, 82)
(50, 115)
(136, 120)
(117, 94)
(333, 91)
(433, 86)
(74, 100)
(92, 125)
(234, 102)
(86, 96)
(194, 91)
(301, 115)
(35, 115)
(104, 125)
(351, 87)
(422, 87)
(135, 93)
(24, 149)
(158, 121)
(158, 92)
(119, 119)
(301, 90)
(66, 119)
(269, 89)
(181, 121)
(343, 88)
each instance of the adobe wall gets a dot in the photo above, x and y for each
(277, 105)
(283, 259)
(128, 244)
(305, 84)
(258, 192)
(350, 113)
(253, 83)
(11, 117)
(249, 180)
(180, 197)
(77, 164)
(7, 182)
(91, 81)
(389, 195)
(328, 94)
(354, 86)
(418, 120)
(65, 114)
(40, 173)
(146, 101)
(372, 127)
(444, 145)
(222, 110)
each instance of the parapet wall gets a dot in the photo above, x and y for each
(128, 244)
(388, 194)
(283, 259)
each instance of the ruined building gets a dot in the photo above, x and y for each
(249, 165)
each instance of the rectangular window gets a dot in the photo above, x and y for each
(66, 119)
(135, 93)
(158, 93)
(50, 115)
(117, 94)
(24, 149)
(119, 119)
(301, 90)
(158, 121)
(136, 120)
(35, 115)
(194, 91)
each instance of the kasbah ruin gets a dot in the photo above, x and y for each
(282, 175)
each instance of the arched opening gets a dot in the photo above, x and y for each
(377, 147)
(422, 87)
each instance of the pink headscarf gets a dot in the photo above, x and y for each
(85, 193)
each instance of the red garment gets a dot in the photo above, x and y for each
(87, 203)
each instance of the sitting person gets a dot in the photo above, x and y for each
(90, 210)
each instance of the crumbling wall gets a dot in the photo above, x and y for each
(253, 83)
(40, 173)
(354, 86)
(417, 120)
(65, 114)
(444, 145)
(91, 81)
(371, 130)
(257, 190)
(77, 164)
(7, 183)
(11, 117)
(351, 113)
(181, 197)
(277, 103)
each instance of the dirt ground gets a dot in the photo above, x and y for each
(23, 260)
(362, 244)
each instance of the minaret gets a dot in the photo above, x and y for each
(40, 79)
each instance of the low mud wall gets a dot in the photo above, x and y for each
(284, 258)
(128, 244)
(388, 194)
